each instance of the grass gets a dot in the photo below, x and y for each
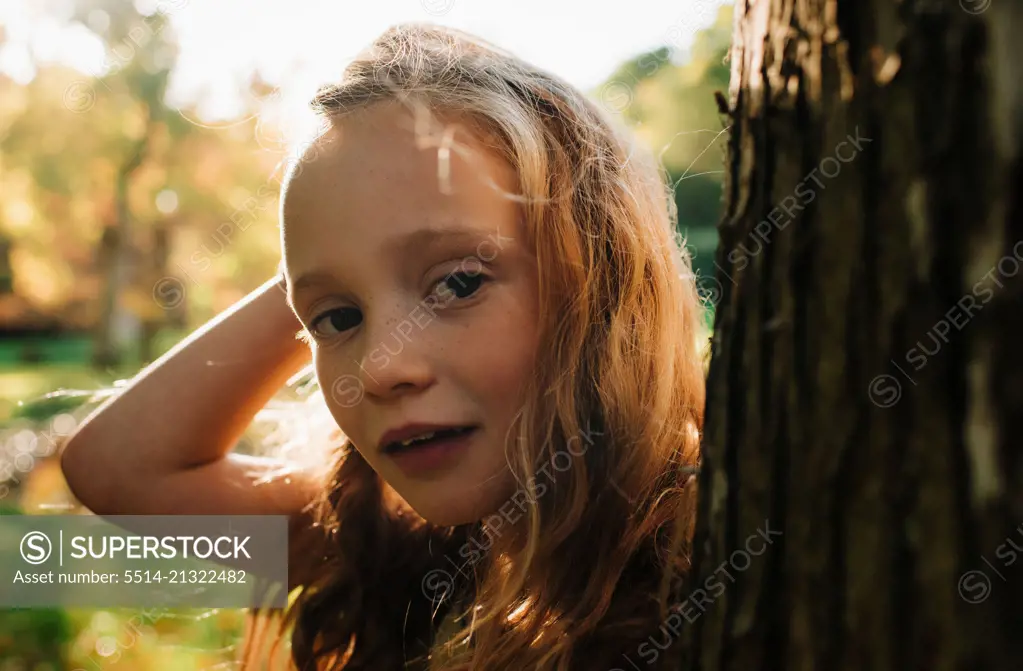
(40, 375)
(58, 639)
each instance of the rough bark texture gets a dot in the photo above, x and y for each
(865, 396)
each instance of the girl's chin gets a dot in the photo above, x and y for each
(434, 509)
(456, 514)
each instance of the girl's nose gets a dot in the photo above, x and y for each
(395, 361)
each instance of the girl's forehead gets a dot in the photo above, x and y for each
(393, 133)
(367, 170)
(370, 190)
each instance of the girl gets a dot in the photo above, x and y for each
(504, 326)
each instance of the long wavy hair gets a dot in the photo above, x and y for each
(603, 544)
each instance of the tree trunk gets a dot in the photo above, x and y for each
(6, 272)
(861, 500)
(113, 261)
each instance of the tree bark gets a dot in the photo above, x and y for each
(861, 496)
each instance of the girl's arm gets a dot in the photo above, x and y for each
(163, 444)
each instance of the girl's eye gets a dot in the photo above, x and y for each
(460, 284)
(333, 322)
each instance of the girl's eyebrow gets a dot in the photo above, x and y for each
(312, 279)
(420, 241)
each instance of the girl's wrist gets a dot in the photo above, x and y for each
(275, 313)
(279, 277)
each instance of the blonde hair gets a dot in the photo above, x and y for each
(603, 548)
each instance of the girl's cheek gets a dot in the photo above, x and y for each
(344, 392)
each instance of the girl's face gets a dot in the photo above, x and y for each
(420, 296)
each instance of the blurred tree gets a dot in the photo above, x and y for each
(860, 497)
(6, 279)
(121, 210)
(141, 56)
(672, 106)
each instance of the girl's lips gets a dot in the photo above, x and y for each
(432, 455)
(391, 439)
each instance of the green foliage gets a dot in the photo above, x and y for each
(673, 108)
(642, 67)
(49, 406)
(34, 637)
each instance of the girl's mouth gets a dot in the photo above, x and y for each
(428, 439)
(430, 453)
